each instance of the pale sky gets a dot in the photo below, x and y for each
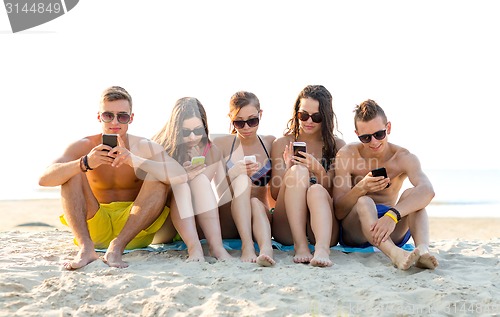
(433, 66)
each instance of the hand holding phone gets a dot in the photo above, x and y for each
(250, 158)
(380, 172)
(197, 160)
(299, 146)
(110, 140)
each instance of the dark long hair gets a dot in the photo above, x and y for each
(328, 124)
(170, 136)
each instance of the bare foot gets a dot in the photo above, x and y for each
(248, 254)
(220, 253)
(265, 260)
(84, 257)
(195, 255)
(302, 255)
(114, 259)
(427, 261)
(321, 258)
(403, 260)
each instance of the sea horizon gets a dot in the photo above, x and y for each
(459, 193)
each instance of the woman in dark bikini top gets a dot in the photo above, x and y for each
(244, 202)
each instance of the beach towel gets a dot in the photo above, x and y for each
(235, 244)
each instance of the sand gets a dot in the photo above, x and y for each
(33, 283)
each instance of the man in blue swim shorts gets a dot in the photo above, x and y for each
(366, 196)
(114, 192)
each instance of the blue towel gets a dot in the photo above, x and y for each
(235, 244)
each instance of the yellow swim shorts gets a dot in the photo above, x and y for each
(109, 221)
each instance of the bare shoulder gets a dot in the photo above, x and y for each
(268, 140)
(349, 150)
(223, 141)
(282, 141)
(80, 148)
(339, 143)
(402, 154)
(214, 154)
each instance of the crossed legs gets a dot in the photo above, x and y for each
(357, 230)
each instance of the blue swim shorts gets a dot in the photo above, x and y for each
(381, 210)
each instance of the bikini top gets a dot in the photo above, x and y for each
(262, 176)
(206, 149)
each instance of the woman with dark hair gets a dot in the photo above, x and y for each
(244, 202)
(302, 182)
(185, 138)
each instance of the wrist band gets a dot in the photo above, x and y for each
(396, 212)
(86, 162)
(388, 214)
(82, 165)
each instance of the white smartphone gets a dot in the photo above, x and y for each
(198, 160)
(250, 158)
(299, 146)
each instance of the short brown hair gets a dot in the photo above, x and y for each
(368, 110)
(116, 93)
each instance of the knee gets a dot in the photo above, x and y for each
(241, 183)
(257, 206)
(299, 170)
(365, 204)
(315, 192)
(297, 175)
(73, 185)
(241, 180)
(201, 179)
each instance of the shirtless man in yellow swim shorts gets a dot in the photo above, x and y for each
(108, 201)
(366, 201)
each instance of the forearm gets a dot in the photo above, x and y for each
(59, 173)
(414, 199)
(170, 173)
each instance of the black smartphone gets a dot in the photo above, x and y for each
(299, 146)
(380, 172)
(110, 139)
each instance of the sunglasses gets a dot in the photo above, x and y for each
(196, 131)
(240, 124)
(122, 117)
(367, 138)
(304, 116)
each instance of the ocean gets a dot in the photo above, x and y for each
(459, 193)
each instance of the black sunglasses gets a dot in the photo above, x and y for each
(122, 117)
(239, 124)
(196, 131)
(304, 116)
(367, 138)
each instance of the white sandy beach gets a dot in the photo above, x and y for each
(32, 282)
